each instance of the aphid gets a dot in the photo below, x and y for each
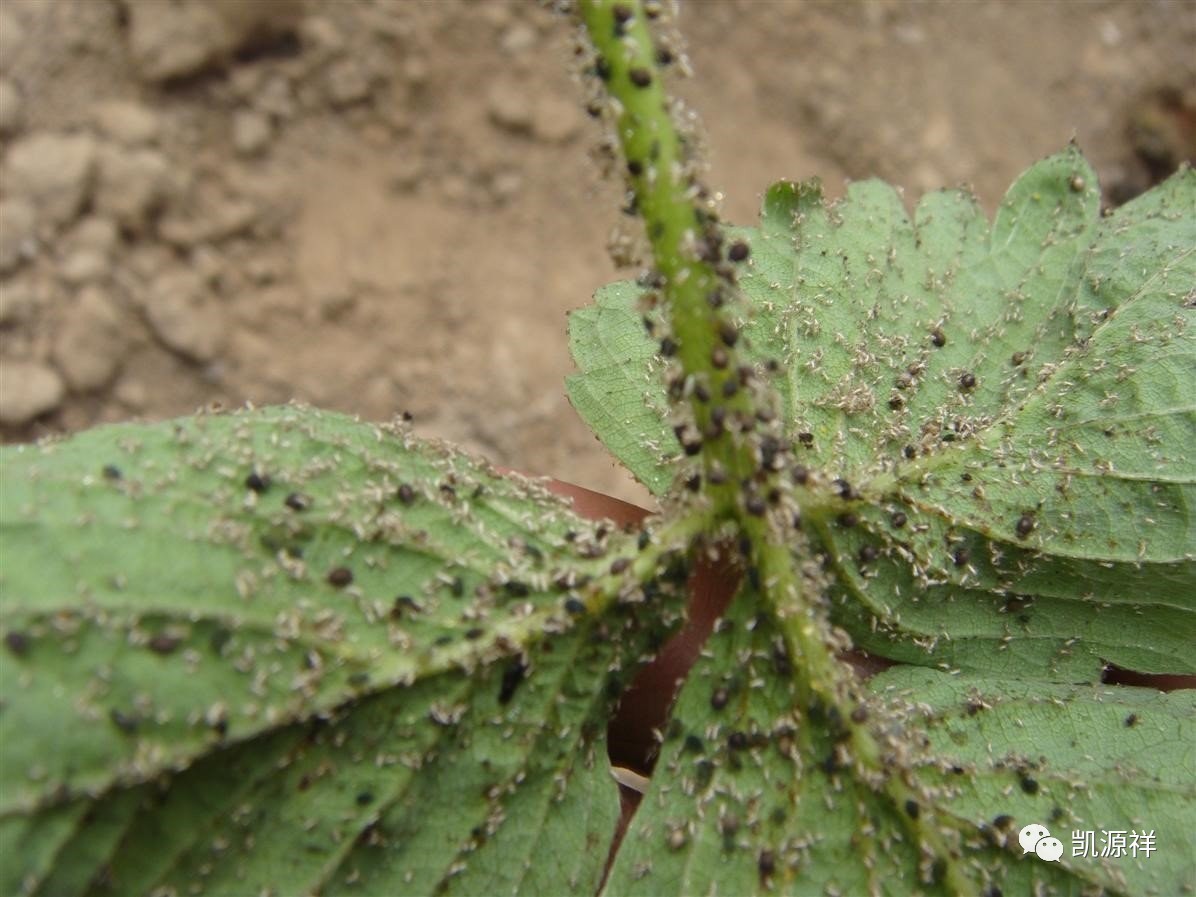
(844, 489)
(693, 744)
(868, 554)
(16, 642)
(664, 56)
(668, 347)
(1076, 184)
(766, 863)
(574, 605)
(730, 387)
(112, 472)
(621, 12)
(257, 482)
(938, 338)
(701, 393)
(739, 251)
(1018, 358)
(896, 403)
(719, 358)
(967, 380)
(404, 603)
(755, 505)
(801, 475)
(474, 634)
(737, 741)
(635, 167)
(912, 809)
(163, 643)
(1025, 526)
(126, 722)
(339, 577)
(717, 474)
(1029, 784)
(898, 519)
(806, 439)
(728, 825)
(961, 555)
(728, 333)
(859, 714)
(406, 494)
(619, 565)
(602, 68)
(640, 76)
(457, 587)
(910, 452)
(297, 501)
(693, 482)
(1131, 721)
(364, 799)
(719, 698)
(847, 520)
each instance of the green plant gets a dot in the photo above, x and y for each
(284, 652)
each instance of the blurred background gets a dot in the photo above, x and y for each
(380, 206)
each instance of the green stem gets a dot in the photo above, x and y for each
(697, 279)
(696, 275)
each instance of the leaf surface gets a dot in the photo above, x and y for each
(1005, 401)
(335, 676)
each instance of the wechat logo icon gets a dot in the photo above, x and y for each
(1035, 839)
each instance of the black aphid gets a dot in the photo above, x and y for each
(635, 167)
(602, 68)
(737, 741)
(1018, 358)
(859, 715)
(126, 722)
(403, 604)
(112, 472)
(297, 501)
(516, 589)
(755, 505)
(961, 555)
(16, 642)
(619, 566)
(806, 439)
(364, 799)
(621, 12)
(257, 482)
(801, 475)
(719, 698)
(340, 577)
(938, 338)
(898, 519)
(967, 380)
(668, 347)
(574, 605)
(896, 403)
(739, 251)
(640, 76)
(868, 554)
(1131, 721)
(1029, 784)
(164, 644)
(912, 809)
(766, 863)
(457, 587)
(1025, 526)
(730, 387)
(910, 452)
(693, 482)
(728, 333)
(512, 677)
(844, 489)
(847, 520)
(719, 358)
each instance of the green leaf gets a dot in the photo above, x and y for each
(1005, 402)
(754, 792)
(751, 795)
(1074, 758)
(229, 635)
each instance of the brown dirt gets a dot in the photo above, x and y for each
(382, 206)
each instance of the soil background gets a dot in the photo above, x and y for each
(380, 207)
